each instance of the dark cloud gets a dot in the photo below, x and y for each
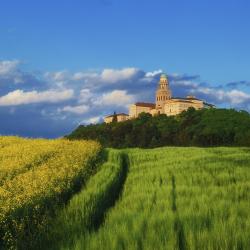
(28, 121)
(237, 84)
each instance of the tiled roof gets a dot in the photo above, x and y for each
(145, 104)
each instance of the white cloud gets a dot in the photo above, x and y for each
(234, 96)
(59, 78)
(153, 73)
(19, 97)
(79, 110)
(84, 75)
(85, 96)
(112, 75)
(116, 97)
(238, 97)
(93, 120)
(185, 83)
(7, 67)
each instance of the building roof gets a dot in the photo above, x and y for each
(185, 98)
(188, 100)
(145, 104)
(163, 76)
(181, 100)
(119, 114)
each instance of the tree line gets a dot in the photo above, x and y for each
(206, 127)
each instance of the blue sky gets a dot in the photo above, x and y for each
(68, 62)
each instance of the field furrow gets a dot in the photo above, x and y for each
(179, 198)
(86, 211)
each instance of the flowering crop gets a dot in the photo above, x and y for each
(36, 176)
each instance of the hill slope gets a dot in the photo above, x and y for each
(207, 127)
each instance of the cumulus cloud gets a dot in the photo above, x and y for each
(153, 73)
(11, 74)
(19, 97)
(59, 78)
(79, 110)
(234, 97)
(92, 120)
(7, 67)
(112, 75)
(116, 97)
(85, 75)
(85, 96)
(107, 76)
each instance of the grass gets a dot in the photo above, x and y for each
(178, 198)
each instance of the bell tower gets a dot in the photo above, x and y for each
(163, 93)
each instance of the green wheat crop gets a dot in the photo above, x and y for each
(179, 198)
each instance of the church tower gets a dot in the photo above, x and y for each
(163, 93)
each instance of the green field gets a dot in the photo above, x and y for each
(60, 194)
(165, 198)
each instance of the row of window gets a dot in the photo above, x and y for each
(162, 98)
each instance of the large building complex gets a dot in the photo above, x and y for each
(164, 103)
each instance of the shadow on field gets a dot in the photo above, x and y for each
(113, 197)
(178, 226)
(79, 218)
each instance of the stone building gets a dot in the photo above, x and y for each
(164, 103)
(140, 107)
(120, 118)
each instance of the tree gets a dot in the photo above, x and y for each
(114, 117)
(206, 127)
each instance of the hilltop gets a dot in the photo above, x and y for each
(206, 127)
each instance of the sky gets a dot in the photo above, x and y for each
(65, 63)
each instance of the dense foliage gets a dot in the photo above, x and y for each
(207, 127)
(36, 177)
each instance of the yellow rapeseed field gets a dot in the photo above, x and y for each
(37, 176)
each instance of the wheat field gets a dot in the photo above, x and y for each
(177, 198)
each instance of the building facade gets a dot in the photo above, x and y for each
(140, 107)
(120, 118)
(164, 103)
